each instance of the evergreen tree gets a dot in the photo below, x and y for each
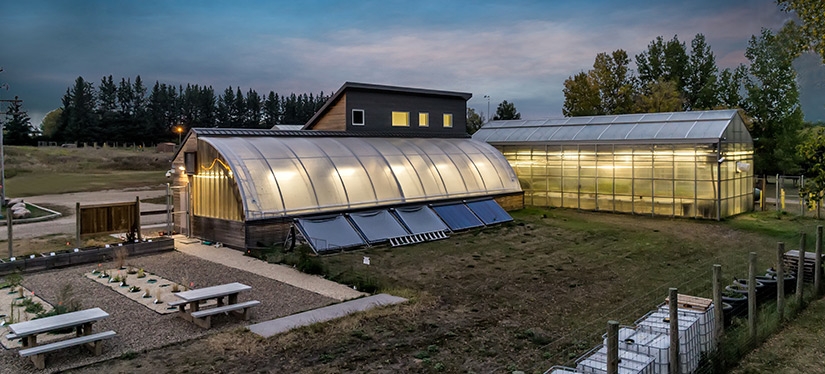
(506, 111)
(18, 129)
(225, 107)
(253, 110)
(271, 110)
(474, 121)
(78, 120)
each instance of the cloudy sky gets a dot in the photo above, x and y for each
(520, 51)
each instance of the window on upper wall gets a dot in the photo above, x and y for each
(358, 117)
(448, 120)
(423, 119)
(400, 119)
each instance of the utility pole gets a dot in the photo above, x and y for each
(2, 156)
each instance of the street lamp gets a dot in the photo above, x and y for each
(179, 130)
(488, 107)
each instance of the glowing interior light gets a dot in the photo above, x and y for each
(284, 175)
(346, 172)
(181, 168)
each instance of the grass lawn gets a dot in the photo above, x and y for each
(34, 171)
(522, 296)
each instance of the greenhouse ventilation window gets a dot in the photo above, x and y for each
(489, 211)
(420, 220)
(329, 233)
(378, 226)
(458, 216)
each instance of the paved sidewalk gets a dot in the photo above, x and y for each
(236, 259)
(277, 326)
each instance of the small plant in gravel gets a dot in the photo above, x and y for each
(14, 280)
(175, 287)
(131, 270)
(147, 293)
(115, 279)
(134, 289)
(123, 281)
(141, 273)
(158, 294)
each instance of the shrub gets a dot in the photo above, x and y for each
(309, 264)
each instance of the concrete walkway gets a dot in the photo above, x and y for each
(277, 326)
(236, 259)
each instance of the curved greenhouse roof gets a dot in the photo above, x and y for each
(280, 176)
(698, 126)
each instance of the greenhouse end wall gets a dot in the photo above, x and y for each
(677, 180)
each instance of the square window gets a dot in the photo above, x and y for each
(400, 119)
(358, 117)
(423, 119)
(448, 120)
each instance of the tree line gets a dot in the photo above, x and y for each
(127, 111)
(672, 77)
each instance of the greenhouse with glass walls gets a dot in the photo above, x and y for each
(682, 164)
(247, 188)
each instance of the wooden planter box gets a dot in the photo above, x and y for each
(84, 256)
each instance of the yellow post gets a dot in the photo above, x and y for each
(782, 198)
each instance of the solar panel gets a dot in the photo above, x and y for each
(420, 219)
(458, 216)
(378, 225)
(329, 233)
(489, 211)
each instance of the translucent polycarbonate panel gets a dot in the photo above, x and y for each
(616, 132)
(458, 216)
(708, 129)
(544, 133)
(643, 132)
(566, 133)
(327, 234)
(579, 120)
(685, 116)
(489, 211)
(378, 225)
(521, 134)
(420, 219)
(337, 173)
(624, 118)
(717, 114)
(656, 117)
(591, 132)
(675, 130)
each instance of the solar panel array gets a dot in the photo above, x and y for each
(399, 226)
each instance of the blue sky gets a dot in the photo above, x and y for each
(520, 51)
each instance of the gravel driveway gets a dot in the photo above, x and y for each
(139, 328)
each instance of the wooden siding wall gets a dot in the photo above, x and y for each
(229, 233)
(511, 202)
(378, 108)
(264, 234)
(108, 218)
(336, 118)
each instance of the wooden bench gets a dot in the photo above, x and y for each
(177, 303)
(203, 318)
(93, 341)
(12, 337)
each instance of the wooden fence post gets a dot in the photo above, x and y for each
(800, 271)
(77, 224)
(818, 263)
(717, 302)
(673, 308)
(137, 218)
(752, 296)
(612, 347)
(780, 282)
(9, 231)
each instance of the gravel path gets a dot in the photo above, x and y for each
(139, 328)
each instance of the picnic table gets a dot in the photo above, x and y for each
(202, 317)
(80, 321)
